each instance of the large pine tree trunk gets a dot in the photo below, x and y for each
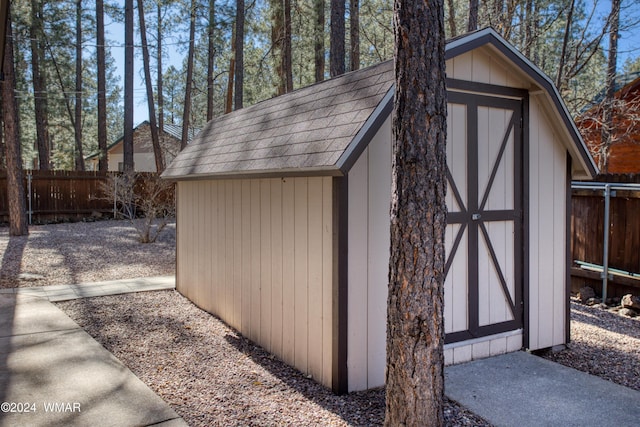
(287, 54)
(186, 113)
(127, 140)
(103, 162)
(39, 87)
(337, 39)
(607, 122)
(159, 62)
(78, 104)
(15, 176)
(473, 16)
(211, 51)
(155, 141)
(239, 56)
(415, 331)
(354, 20)
(318, 39)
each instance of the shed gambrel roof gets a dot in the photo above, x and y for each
(303, 132)
(323, 128)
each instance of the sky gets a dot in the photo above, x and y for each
(628, 47)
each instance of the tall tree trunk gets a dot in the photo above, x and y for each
(159, 76)
(281, 44)
(239, 63)
(189, 83)
(211, 52)
(453, 30)
(103, 162)
(78, 107)
(337, 39)
(473, 15)
(39, 87)
(565, 43)
(529, 23)
(277, 44)
(228, 105)
(415, 328)
(155, 141)
(287, 54)
(354, 32)
(318, 39)
(15, 175)
(127, 140)
(607, 122)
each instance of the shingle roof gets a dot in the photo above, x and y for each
(323, 128)
(306, 130)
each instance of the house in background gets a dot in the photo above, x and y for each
(624, 153)
(143, 157)
(283, 215)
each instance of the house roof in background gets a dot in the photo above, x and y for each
(172, 130)
(322, 129)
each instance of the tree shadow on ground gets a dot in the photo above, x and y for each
(357, 408)
(12, 261)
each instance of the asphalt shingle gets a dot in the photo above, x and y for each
(308, 128)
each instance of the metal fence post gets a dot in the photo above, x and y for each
(29, 178)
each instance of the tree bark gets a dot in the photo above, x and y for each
(186, 113)
(159, 76)
(287, 54)
(337, 39)
(239, 57)
(473, 15)
(354, 31)
(563, 51)
(277, 44)
(211, 51)
(155, 140)
(127, 140)
(318, 40)
(607, 122)
(15, 175)
(39, 87)
(415, 329)
(453, 30)
(78, 105)
(103, 162)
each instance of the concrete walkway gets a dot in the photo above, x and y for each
(52, 373)
(95, 289)
(520, 389)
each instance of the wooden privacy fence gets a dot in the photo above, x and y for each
(589, 218)
(61, 195)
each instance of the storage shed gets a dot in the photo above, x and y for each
(283, 215)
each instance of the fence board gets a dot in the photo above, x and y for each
(587, 223)
(60, 195)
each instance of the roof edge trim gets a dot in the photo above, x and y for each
(258, 174)
(366, 132)
(488, 35)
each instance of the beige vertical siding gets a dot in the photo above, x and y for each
(483, 65)
(455, 285)
(259, 254)
(369, 242)
(547, 228)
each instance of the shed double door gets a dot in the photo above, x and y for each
(484, 254)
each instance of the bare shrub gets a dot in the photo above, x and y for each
(144, 199)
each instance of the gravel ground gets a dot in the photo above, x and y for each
(603, 343)
(211, 375)
(70, 253)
